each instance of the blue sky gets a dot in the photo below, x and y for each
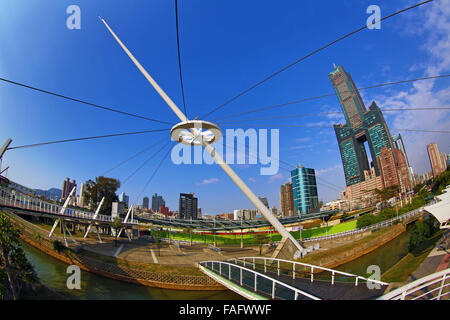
(226, 46)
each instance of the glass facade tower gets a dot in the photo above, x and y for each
(362, 126)
(304, 189)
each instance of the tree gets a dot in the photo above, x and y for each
(15, 270)
(261, 239)
(387, 193)
(102, 187)
(116, 225)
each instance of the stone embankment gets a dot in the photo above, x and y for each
(33, 236)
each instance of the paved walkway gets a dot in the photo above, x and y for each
(437, 260)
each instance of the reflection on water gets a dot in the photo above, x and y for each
(53, 274)
(385, 257)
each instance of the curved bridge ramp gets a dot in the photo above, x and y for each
(258, 278)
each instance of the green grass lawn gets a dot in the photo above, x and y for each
(408, 264)
(250, 239)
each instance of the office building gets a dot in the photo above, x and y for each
(82, 197)
(124, 198)
(398, 143)
(286, 200)
(366, 133)
(145, 202)
(188, 206)
(304, 189)
(264, 201)
(437, 167)
(157, 202)
(67, 188)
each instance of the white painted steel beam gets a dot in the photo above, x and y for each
(94, 217)
(5, 147)
(62, 211)
(219, 160)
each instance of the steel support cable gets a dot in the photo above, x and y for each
(179, 58)
(84, 102)
(332, 127)
(145, 162)
(288, 164)
(308, 55)
(324, 181)
(85, 138)
(134, 156)
(154, 173)
(332, 112)
(328, 95)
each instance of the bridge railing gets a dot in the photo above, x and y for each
(301, 270)
(256, 281)
(379, 225)
(17, 199)
(435, 286)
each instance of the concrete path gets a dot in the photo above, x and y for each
(437, 260)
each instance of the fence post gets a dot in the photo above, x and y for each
(256, 280)
(278, 271)
(273, 289)
(241, 276)
(265, 268)
(442, 286)
(332, 277)
(293, 271)
(312, 274)
(229, 272)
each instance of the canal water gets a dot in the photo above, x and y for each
(52, 273)
(384, 257)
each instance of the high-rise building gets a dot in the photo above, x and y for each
(398, 143)
(304, 189)
(157, 202)
(364, 133)
(124, 198)
(264, 201)
(444, 160)
(188, 206)
(363, 127)
(82, 198)
(145, 202)
(286, 200)
(67, 188)
(435, 159)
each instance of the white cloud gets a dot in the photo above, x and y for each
(276, 177)
(208, 181)
(435, 25)
(322, 171)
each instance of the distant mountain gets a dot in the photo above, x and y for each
(50, 193)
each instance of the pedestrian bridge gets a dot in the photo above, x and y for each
(260, 278)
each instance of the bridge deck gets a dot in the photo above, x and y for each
(325, 290)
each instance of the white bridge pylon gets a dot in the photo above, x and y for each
(198, 137)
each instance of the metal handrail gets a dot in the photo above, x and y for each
(297, 291)
(408, 289)
(311, 266)
(20, 200)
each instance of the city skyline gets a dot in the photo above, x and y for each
(34, 167)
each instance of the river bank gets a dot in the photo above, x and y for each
(178, 278)
(52, 273)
